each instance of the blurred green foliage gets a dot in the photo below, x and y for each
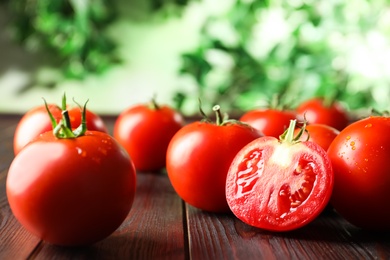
(70, 29)
(74, 31)
(246, 54)
(296, 49)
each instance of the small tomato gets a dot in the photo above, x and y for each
(199, 156)
(318, 111)
(145, 132)
(321, 134)
(271, 122)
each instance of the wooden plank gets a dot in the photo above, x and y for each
(153, 229)
(223, 236)
(13, 235)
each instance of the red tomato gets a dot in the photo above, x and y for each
(360, 157)
(36, 121)
(316, 111)
(321, 134)
(279, 185)
(145, 131)
(198, 158)
(271, 122)
(71, 191)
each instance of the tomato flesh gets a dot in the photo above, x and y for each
(277, 186)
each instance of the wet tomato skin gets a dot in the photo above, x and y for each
(71, 192)
(360, 157)
(198, 159)
(37, 121)
(279, 187)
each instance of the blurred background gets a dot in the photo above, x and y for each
(236, 53)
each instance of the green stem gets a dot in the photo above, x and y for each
(290, 131)
(153, 104)
(66, 119)
(218, 115)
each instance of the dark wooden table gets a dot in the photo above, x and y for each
(161, 226)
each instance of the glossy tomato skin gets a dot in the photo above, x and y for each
(71, 192)
(277, 186)
(271, 122)
(198, 158)
(145, 133)
(360, 157)
(317, 112)
(321, 134)
(37, 121)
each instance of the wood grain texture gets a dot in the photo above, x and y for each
(223, 236)
(152, 230)
(15, 241)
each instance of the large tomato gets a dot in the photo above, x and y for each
(360, 157)
(145, 131)
(271, 122)
(318, 111)
(279, 185)
(73, 190)
(36, 121)
(199, 156)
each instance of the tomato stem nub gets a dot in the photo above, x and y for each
(153, 103)
(218, 115)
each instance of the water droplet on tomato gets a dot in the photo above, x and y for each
(81, 152)
(368, 125)
(348, 137)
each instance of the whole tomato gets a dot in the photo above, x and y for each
(199, 156)
(36, 121)
(321, 111)
(71, 188)
(360, 157)
(321, 134)
(279, 184)
(270, 121)
(145, 131)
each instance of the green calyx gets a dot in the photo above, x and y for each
(288, 135)
(63, 129)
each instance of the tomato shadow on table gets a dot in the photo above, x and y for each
(118, 246)
(328, 227)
